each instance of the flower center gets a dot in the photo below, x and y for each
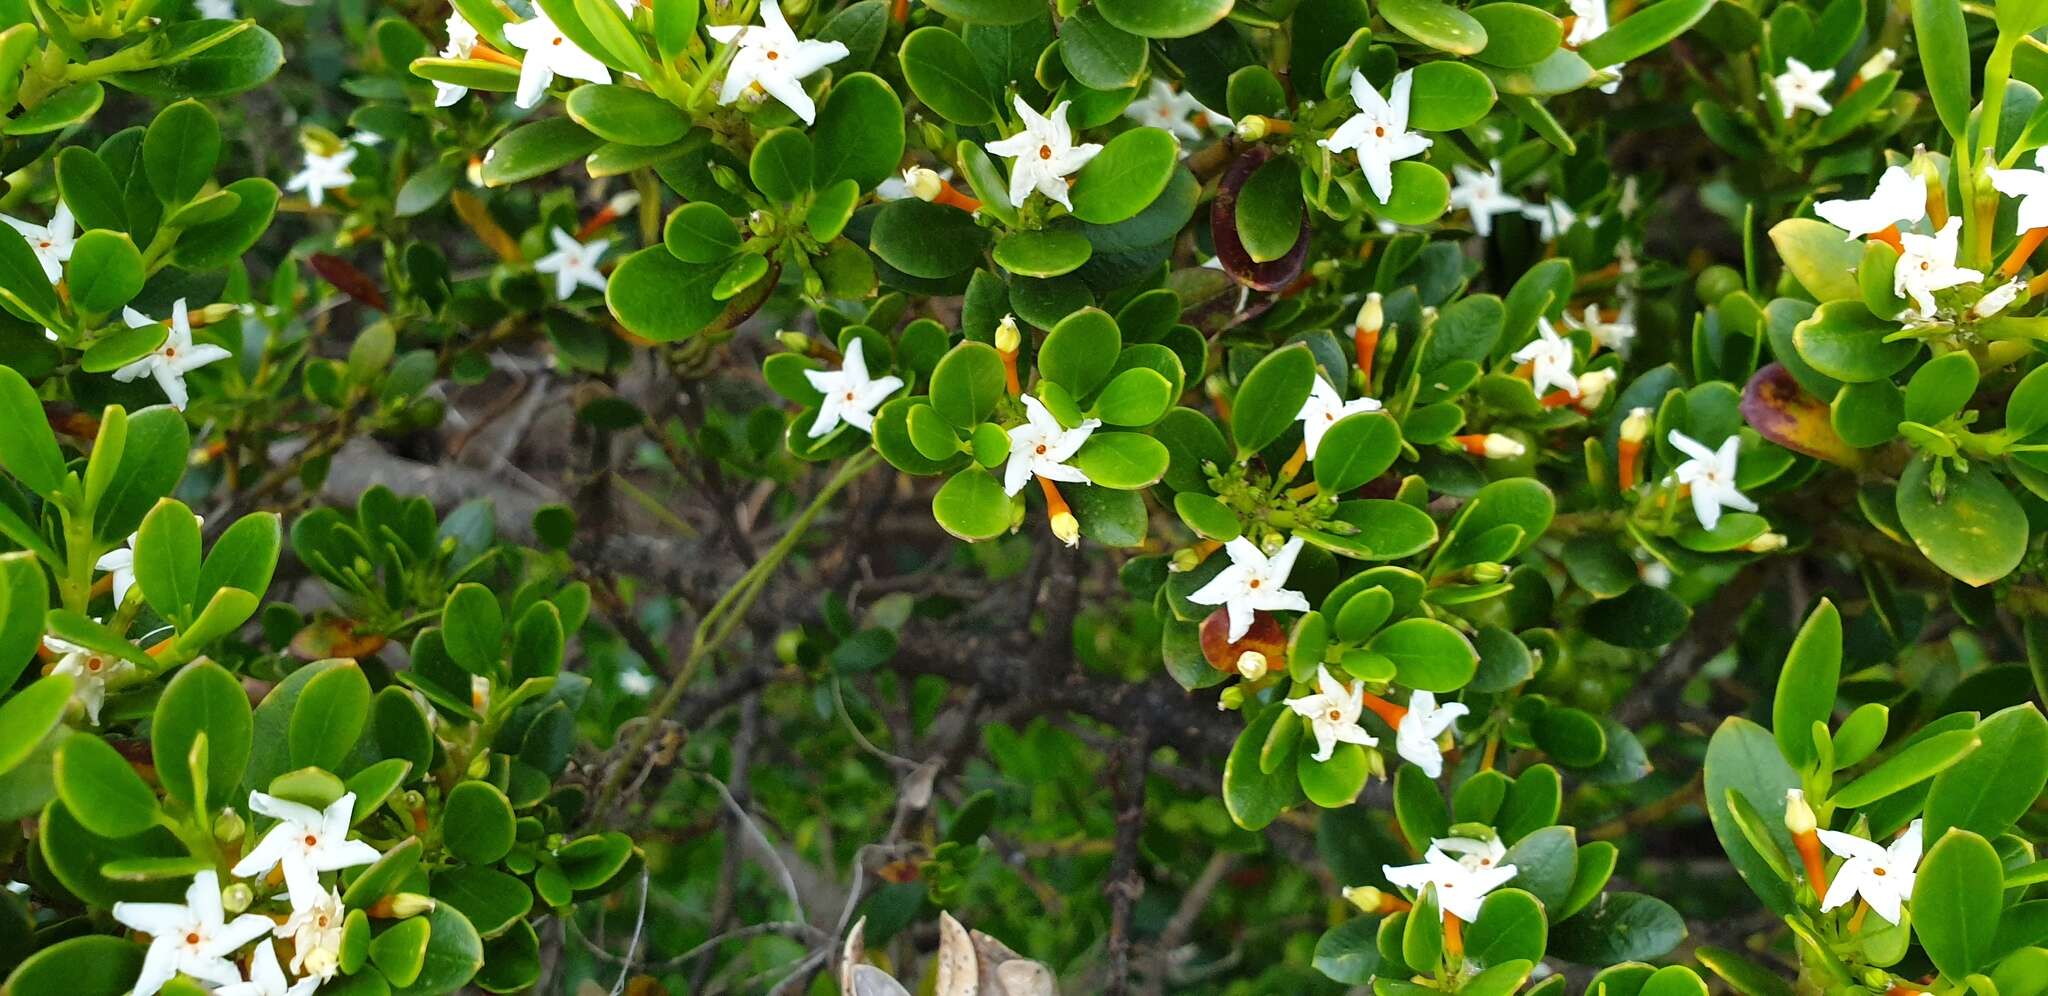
(94, 664)
(773, 55)
(312, 841)
(1254, 583)
(192, 938)
(557, 40)
(1335, 715)
(1045, 152)
(170, 351)
(1879, 872)
(1379, 131)
(1041, 449)
(849, 395)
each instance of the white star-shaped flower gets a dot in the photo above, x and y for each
(1928, 264)
(1253, 582)
(1041, 447)
(322, 173)
(1461, 883)
(573, 263)
(1711, 474)
(1550, 357)
(1900, 198)
(267, 978)
(194, 938)
(1169, 109)
(1554, 217)
(774, 60)
(851, 396)
(1332, 713)
(52, 243)
(120, 562)
(2029, 185)
(90, 672)
(305, 842)
(1045, 154)
(1479, 193)
(315, 929)
(170, 362)
(1424, 722)
(1615, 335)
(1883, 876)
(1325, 408)
(1800, 86)
(1589, 21)
(548, 54)
(1378, 132)
(462, 39)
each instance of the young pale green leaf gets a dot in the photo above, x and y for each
(1806, 686)
(1943, 43)
(1435, 24)
(1645, 31)
(1916, 763)
(167, 560)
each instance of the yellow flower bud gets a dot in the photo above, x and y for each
(1008, 339)
(1798, 815)
(1067, 528)
(924, 184)
(1767, 543)
(237, 897)
(407, 904)
(1372, 315)
(1499, 447)
(1252, 665)
(1636, 427)
(1365, 897)
(1251, 127)
(1593, 386)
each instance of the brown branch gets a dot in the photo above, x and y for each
(1124, 885)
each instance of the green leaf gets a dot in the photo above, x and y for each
(102, 788)
(971, 505)
(1437, 25)
(473, 628)
(1427, 654)
(1349, 952)
(167, 560)
(1650, 28)
(1100, 55)
(1510, 927)
(29, 717)
(104, 272)
(1819, 257)
(1845, 341)
(492, 900)
(1974, 530)
(537, 149)
(1125, 461)
(1806, 686)
(1078, 353)
(477, 822)
(1573, 737)
(224, 240)
(92, 965)
(1958, 893)
(943, 73)
(1359, 448)
(1517, 34)
(179, 151)
(1422, 937)
(989, 11)
(624, 114)
(1744, 758)
(1990, 789)
(1618, 927)
(28, 447)
(203, 699)
(72, 105)
(1253, 797)
(1045, 252)
(1334, 783)
(1269, 209)
(1270, 397)
(701, 232)
(1941, 387)
(1164, 18)
(1943, 43)
(1916, 763)
(1126, 176)
(329, 716)
(660, 297)
(859, 135)
(1448, 95)
(782, 164)
(927, 240)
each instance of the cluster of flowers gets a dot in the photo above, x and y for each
(196, 939)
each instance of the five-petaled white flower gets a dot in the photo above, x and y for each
(1550, 357)
(322, 173)
(267, 978)
(120, 562)
(89, 671)
(1479, 193)
(170, 362)
(1253, 582)
(1326, 408)
(1169, 109)
(1042, 447)
(52, 243)
(1800, 86)
(1416, 738)
(1711, 475)
(1378, 132)
(193, 938)
(1883, 876)
(315, 929)
(573, 263)
(1462, 883)
(1332, 713)
(1045, 154)
(1928, 264)
(1615, 335)
(462, 39)
(850, 394)
(2029, 185)
(1900, 198)
(773, 60)
(305, 842)
(548, 54)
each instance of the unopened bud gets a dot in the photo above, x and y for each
(229, 826)
(475, 172)
(1232, 698)
(321, 962)
(1252, 127)
(237, 897)
(1876, 64)
(1636, 427)
(1499, 447)
(479, 692)
(1323, 269)
(1996, 301)
(1798, 815)
(924, 184)
(1766, 543)
(1008, 339)
(761, 223)
(622, 202)
(1487, 572)
(1365, 897)
(1593, 386)
(1067, 528)
(1375, 764)
(794, 341)
(221, 312)
(1251, 665)
(1372, 315)
(407, 904)
(1878, 979)
(1184, 560)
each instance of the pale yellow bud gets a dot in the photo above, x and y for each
(924, 184)
(321, 962)
(1798, 815)
(229, 826)
(794, 341)
(1636, 427)
(1067, 528)
(1252, 665)
(237, 897)
(1232, 698)
(1876, 64)
(1365, 897)
(1372, 315)
(1008, 339)
(1766, 543)
(1499, 447)
(1593, 386)
(407, 904)
(1251, 127)
(623, 201)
